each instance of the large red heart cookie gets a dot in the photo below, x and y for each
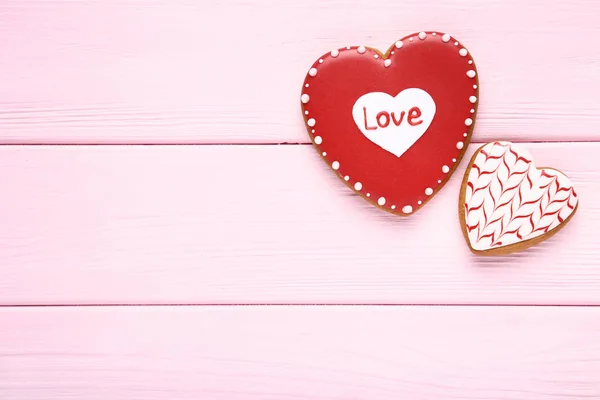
(393, 126)
(507, 204)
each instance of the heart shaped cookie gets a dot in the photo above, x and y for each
(507, 204)
(393, 126)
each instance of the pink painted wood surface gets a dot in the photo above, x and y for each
(262, 224)
(312, 353)
(167, 71)
(85, 225)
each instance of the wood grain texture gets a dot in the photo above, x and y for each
(175, 71)
(262, 224)
(313, 353)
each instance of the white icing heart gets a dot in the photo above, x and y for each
(394, 123)
(508, 200)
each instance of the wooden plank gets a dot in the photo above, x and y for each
(289, 353)
(262, 224)
(165, 71)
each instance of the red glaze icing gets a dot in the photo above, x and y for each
(431, 64)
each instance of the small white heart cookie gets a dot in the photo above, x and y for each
(507, 204)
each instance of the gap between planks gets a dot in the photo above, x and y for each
(94, 144)
(302, 305)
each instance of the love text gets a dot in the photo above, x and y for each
(383, 119)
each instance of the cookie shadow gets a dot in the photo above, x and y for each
(519, 259)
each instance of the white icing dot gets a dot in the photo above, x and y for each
(306, 112)
(346, 178)
(335, 165)
(429, 191)
(324, 153)
(470, 61)
(463, 52)
(392, 53)
(307, 85)
(440, 181)
(419, 202)
(411, 39)
(465, 134)
(468, 122)
(376, 56)
(446, 38)
(305, 98)
(472, 111)
(445, 169)
(399, 44)
(318, 139)
(407, 209)
(387, 63)
(312, 72)
(381, 201)
(361, 49)
(358, 186)
(474, 86)
(313, 131)
(454, 160)
(368, 194)
(422, 35)
(460, 145)
(434, 33)
(456, 43)
(335, 53)
(473, 99)
(311, 122)
(321, 61)
(347, 47)
(471, 73)
(393, 207)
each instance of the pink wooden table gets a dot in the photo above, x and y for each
(215, 265)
